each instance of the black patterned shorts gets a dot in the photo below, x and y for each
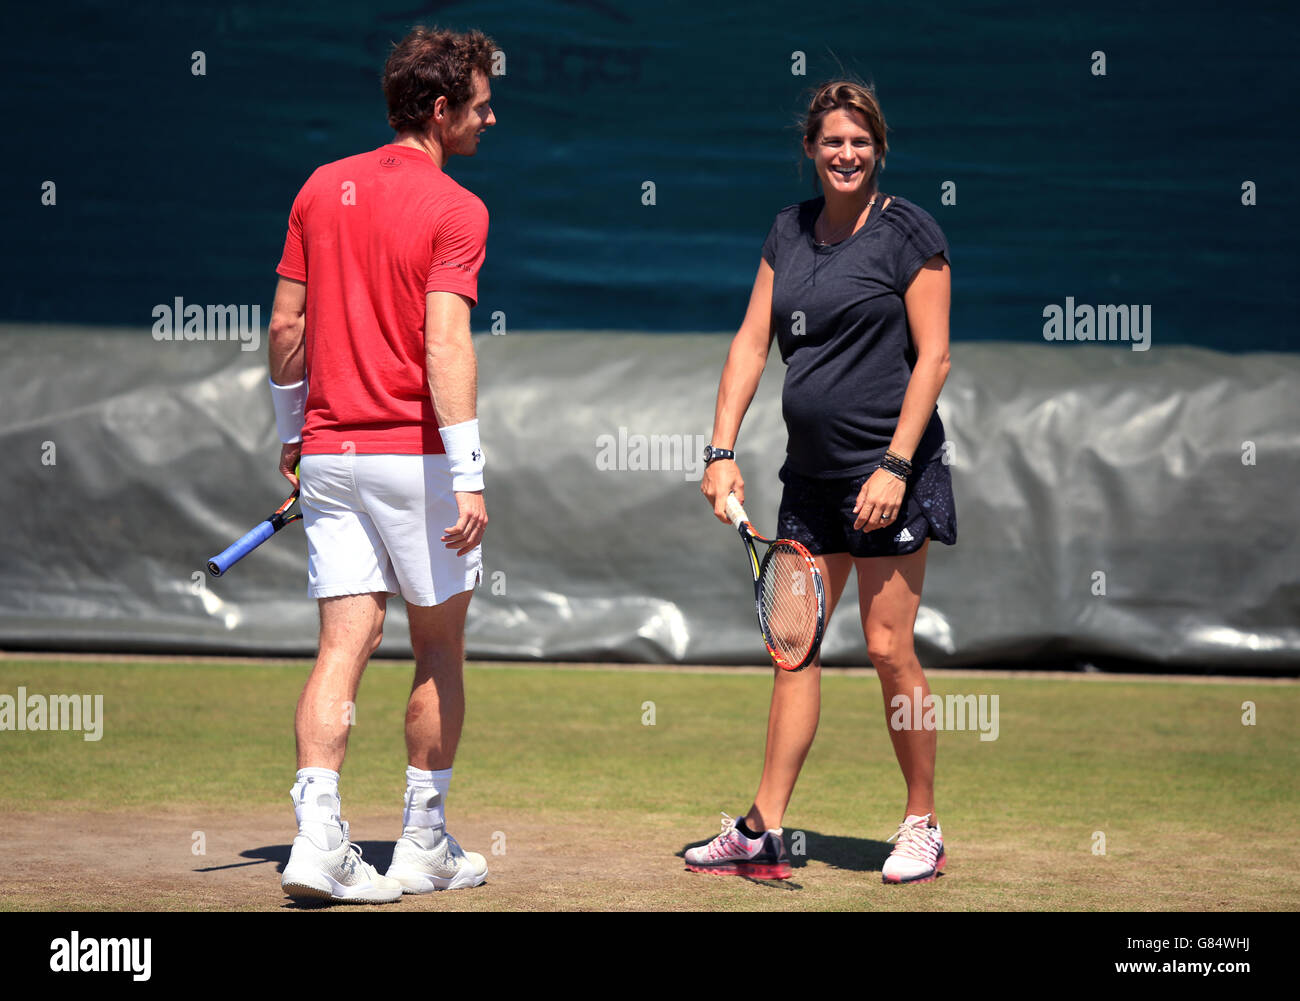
(819, 514)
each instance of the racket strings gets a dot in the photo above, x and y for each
(788, 600)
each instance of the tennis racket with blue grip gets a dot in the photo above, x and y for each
(265, 529)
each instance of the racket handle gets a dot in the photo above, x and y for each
(735, 512)
(236, 552)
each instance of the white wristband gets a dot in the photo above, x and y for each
(465, 454)
(289, 403)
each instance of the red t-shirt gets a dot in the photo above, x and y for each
(371, 235)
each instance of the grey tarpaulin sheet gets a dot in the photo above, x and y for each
(127, 462)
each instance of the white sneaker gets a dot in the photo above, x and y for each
(445, 866)
(340, 875)
(918, 857)
(734, 854)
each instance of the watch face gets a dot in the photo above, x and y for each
(708, 452)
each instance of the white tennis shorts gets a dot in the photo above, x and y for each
(375, 523)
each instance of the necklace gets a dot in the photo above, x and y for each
(836, 236)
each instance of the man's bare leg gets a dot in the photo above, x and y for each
(322, 865)
(351, 627)
(435, 712)
(424, 858)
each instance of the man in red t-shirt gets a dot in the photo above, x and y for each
(374, 381)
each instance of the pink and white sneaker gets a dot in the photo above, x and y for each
(919, 856)
(734, 854)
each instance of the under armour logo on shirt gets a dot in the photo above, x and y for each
(476, 455)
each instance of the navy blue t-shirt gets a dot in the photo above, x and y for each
(842, 329)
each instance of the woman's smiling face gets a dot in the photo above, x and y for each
(844, 152)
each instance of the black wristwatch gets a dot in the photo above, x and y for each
(711, 453)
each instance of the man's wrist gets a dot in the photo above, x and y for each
(464, 456)
(290, 403)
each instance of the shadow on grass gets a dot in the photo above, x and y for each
(839, 852)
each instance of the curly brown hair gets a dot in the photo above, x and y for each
(428, 64)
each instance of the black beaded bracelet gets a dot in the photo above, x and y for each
(896, 465)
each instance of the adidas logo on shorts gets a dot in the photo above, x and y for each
(903, 536)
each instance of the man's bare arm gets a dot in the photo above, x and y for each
(285, 342)
(453, 383)
(449, 358)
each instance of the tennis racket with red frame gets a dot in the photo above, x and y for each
(788, 594)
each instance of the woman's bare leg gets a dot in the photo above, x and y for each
(889, 595)
(792, 719)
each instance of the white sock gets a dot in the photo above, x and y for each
(423, 820)
(316, 805)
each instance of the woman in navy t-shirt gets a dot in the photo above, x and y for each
(855, 287)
